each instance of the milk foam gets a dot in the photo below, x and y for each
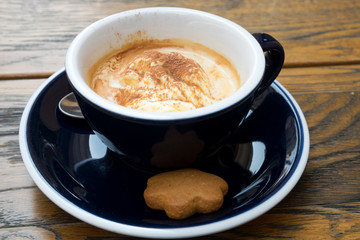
(164, 76)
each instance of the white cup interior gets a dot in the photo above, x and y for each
(219, 34)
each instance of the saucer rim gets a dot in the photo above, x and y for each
(159, 232)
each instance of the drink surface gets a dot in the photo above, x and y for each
(164, 76)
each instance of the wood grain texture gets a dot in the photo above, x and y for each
(326, 79)
(322, 71)
(36, 33)
(325, 204)
(13, 98)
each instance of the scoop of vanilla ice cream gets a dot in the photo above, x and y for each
(151, 80)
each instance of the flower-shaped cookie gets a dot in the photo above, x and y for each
(182, 193)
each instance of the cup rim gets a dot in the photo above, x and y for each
(83, 89)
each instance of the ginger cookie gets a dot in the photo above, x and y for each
(182, 193)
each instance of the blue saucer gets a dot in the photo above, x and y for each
(261, 164)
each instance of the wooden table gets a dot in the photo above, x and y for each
(322, 71)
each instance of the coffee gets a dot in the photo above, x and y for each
(164, 76)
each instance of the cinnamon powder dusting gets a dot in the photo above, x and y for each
(154, 77)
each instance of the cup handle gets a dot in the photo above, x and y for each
(274, 60)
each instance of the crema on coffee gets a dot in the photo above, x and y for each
(164, 76)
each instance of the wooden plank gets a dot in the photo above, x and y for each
(29, 207)
(312, 222)
(13, 98)
(36, 34)
(27, 233)
(321, 79)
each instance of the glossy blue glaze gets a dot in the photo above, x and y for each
(136, 140)
(256, 162)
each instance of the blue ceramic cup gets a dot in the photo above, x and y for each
(167, 140)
